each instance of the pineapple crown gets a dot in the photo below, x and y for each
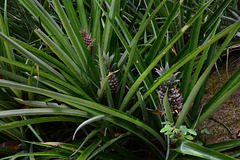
(171, 80)
(107, 59)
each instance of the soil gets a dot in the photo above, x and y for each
(225, 121)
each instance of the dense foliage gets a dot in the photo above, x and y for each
(112, 79)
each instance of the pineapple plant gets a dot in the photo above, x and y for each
(174, 97)
(113, 79)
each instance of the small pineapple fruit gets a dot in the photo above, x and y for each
(174, 97)
(86, 38)
(113, 80)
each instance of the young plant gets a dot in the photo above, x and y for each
(177, 133)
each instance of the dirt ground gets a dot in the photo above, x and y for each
(226, 119)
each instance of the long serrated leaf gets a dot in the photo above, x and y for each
(203, 57)
(107, 33)
(82, 15)
(7, 49)
(63, 56)
(29, 55)
(93, 133)
(143, 107)
(47, 153)
(90, 120)
(33, 130)
(86, 105)
(138, 61)
(214, 17)
(110, 142)
(15, 124)
(132, 53)
(43, 111)
(46, 57)
(225, 91)
(188, 67)
(90, 149)
(13, 133)
(4, 30)
(41, 104)
(30, 83)
(105, 78)
(15, 77)
(163, 30)
(74, 20)
(225, 145)
(167, 107)
(130, 127)
(51, 77)
(35, 8)
(78, 44)
(178, 64)
(190, 148)
(160, 55)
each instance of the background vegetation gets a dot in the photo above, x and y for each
(56, 96)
